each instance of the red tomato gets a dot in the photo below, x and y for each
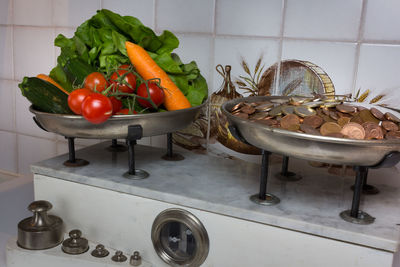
(96, 80)
(126, 111)
(97, 108)
(156, 95)
(116, 103)
(128, 85)
(76, 98)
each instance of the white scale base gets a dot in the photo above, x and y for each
(123, 221)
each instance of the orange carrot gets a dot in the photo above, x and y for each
(46, 78)
(148, 69)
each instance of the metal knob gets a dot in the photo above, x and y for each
(136, 259)
(119, 256)
(100, 251)
(41, 231)
(75, 244)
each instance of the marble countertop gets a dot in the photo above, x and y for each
(223, 186)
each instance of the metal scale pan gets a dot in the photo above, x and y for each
(362, 154)
(116, 126)
(129, 127)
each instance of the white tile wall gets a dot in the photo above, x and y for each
(33, 51)
(72, 13)
(230, 51)
(33, 13)
(24, 121)
(356, 42)
(336, 59)
(6, 12)
(185, 15)
(256, 17)
(141, 9)
(33, 149)
(8, 148)
(382, 20)
(378, 70)
(325, 19)
(7, 105)
(6, 52)
(197, 48)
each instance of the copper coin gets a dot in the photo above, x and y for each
(343, 120)
(390, 126)
(308, 129)
(366, 116)
(327, 118)
(248, 109)
(372, 131)
(289, 120)
(379, 115)
(313, 121)
(294, 127)
(330, 127)
(341, 114)
(346, 108)
(391, 117)
(237, 106)
(357, 119)
(359, 108)
(333, 115)
(393, 135)
(353, 130)
(258, 116)
(242, 115)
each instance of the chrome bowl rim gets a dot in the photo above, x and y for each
(318, 138)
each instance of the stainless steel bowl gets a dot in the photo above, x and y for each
(305, 146)
(117, 126)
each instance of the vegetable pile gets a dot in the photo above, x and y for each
(115, 65)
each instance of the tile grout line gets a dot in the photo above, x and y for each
(358, 45)
(155, 4)
(366, 41)
(211, 64)
(16, 157)
(280, 49)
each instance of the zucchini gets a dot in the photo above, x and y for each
(44, 96)
(77, 70)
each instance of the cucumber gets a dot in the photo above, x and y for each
(77, 70)
(44, 96)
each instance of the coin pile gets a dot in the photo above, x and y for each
(326, 117)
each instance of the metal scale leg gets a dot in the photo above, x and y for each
(171, 156)
(116, 147)
(286, 175)
(72, 160)
(367, 189)
(355, 215)
(264, 198)
(135, 132)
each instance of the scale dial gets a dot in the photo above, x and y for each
(179, 238)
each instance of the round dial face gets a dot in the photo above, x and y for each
(178, 241)
(179, 238)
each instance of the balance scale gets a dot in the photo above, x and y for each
(197, 212)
